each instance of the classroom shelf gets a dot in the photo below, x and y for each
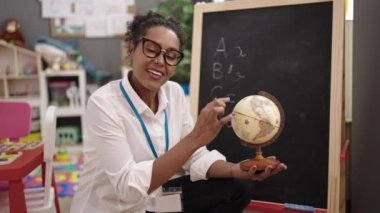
(19, 78)
(55, 90)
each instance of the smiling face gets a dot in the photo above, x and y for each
(150, 73)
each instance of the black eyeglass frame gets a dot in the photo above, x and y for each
(179, 59)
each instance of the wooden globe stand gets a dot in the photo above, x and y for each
(259, 161)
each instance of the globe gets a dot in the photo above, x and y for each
(257, 119)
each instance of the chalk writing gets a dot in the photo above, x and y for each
(219, 71)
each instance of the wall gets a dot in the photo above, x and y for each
(104, 53)
(365, 173)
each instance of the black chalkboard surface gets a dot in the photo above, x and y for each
(286, 51)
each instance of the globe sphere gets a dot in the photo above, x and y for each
(257, 120)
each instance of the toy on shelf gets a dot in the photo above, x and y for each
(12, 33)
(68, 135)
(56, 64)
(72, 94)
(58, 93)
(70, 58)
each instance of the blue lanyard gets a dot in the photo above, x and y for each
(143, 124)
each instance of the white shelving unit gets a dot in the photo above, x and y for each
(19, 78)
(54, 86)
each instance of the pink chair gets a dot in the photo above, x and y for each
(15, 120)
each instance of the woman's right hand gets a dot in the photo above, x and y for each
(210, 121)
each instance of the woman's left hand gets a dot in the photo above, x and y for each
(252, 173)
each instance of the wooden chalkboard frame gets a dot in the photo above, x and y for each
(336, 86)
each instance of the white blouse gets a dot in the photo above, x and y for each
(118, 164)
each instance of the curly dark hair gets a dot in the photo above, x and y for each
(141, 23)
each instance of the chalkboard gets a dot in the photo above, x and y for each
(241, 48)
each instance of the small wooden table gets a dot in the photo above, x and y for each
(16, 171)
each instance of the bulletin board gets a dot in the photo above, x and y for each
(88, 18)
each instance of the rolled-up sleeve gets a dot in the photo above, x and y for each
(201, 161)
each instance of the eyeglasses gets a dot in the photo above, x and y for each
(151, 49)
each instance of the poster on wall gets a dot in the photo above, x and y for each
(56, 8)
(67, 27)
(88, 18)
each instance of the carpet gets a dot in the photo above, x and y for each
(66, 177)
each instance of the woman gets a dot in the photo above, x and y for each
(139, 135)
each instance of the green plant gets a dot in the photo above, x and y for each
(181, 11)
